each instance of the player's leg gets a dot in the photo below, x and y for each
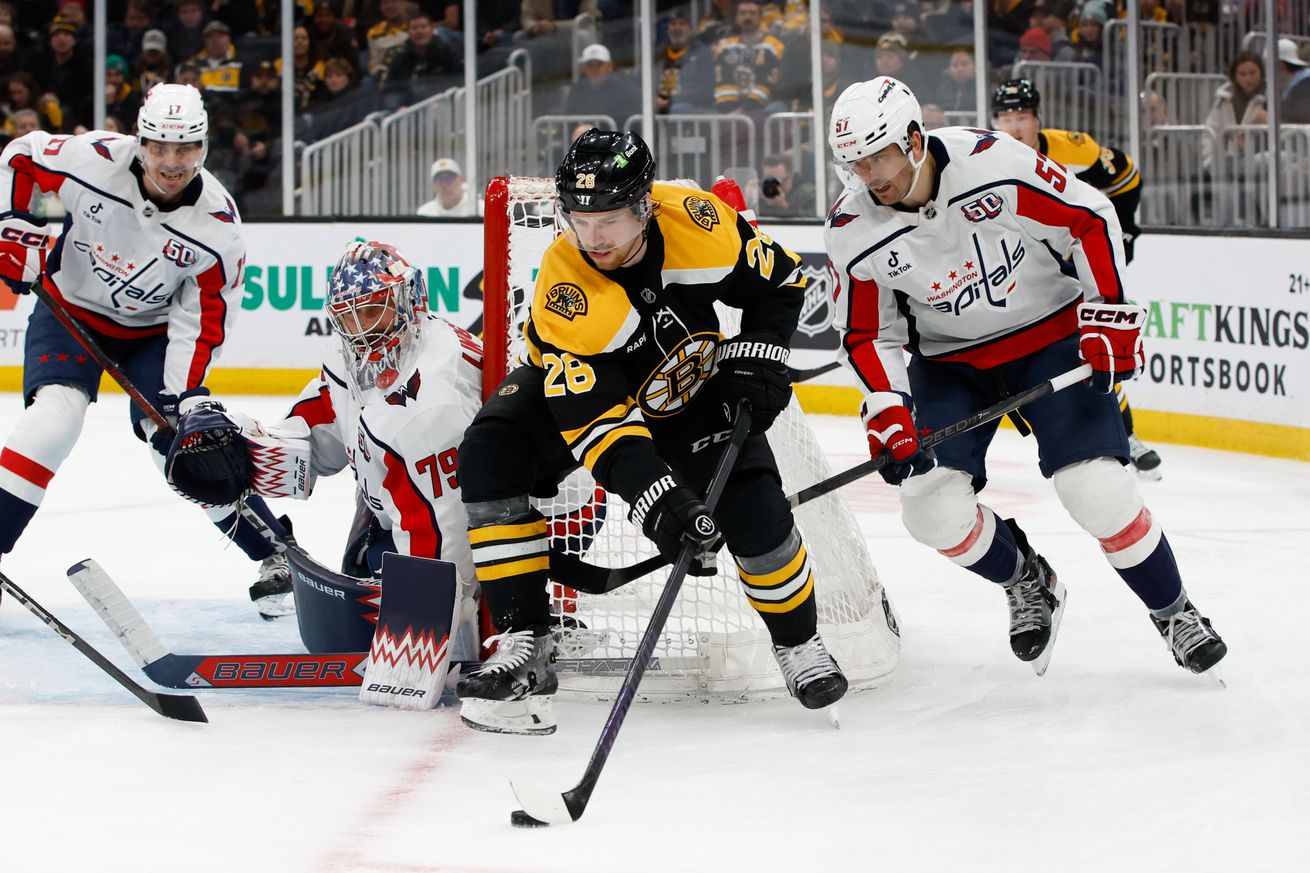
(59, 381)
(776, 575)
(142, 362)
(510, 446)
(1145, 460)
(941, 508)
(1084, 450)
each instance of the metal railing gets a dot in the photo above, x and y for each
(339, 175)
(787, 134)
(412, 138)
(1182, 98)
(1072, 94)
(553, 134)
(700, 147)
(1176, 191)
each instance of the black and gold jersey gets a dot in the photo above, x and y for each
(626, 353)
(1106, 169)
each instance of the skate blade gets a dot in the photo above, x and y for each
(1044, 659)
(534, 716)
(834, 715)
(1152, 475)
(276, 606)
(1215, 676)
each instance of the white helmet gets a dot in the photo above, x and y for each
(869, 116)
(173, 113)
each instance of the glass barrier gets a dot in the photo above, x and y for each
(1183, 93)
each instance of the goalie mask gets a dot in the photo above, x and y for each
(376, 301)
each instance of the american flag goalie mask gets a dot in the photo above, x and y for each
(376, 302)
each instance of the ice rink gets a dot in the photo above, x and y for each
(1116, 760)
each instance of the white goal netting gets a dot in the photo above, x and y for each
(714, 647)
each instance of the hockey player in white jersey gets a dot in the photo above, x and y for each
(150, 263)
(392, 407)
(946, 245)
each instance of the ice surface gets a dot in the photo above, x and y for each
(1116, 760)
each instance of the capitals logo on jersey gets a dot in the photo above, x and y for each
(986, 139)
(402, 396)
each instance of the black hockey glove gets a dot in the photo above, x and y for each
(670, 514)
(754, 366)
(208, 461)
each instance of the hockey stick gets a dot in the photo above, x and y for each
(290, 670)
(590, 579)
(542, 806)
(806, 375)
(179, 706)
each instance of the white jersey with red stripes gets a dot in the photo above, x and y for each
(403, 444)
(127, 267)
(976, 275)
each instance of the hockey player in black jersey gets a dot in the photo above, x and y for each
(1016, 106)
(629, 375)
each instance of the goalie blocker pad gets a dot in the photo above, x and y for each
(410, 654)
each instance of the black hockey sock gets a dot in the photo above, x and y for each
(512, 559)
(780, 585)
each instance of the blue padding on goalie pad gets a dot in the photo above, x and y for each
(418, 594)
(336, 613)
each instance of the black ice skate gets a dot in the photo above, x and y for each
(813, 677)
(1145, 460)
(1036, 604)
(511, 692)
(272, 590)
(1193, 642)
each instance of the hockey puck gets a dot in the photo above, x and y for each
(521, 819)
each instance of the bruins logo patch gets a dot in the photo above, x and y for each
(507, 390)
(567, 300)
(681, 375)
(1077, 138)
(702, 212)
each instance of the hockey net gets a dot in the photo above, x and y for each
(714, 646)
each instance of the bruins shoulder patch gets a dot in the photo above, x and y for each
(701, 211)
(567, 300)
(507, 390)
(1077, 137)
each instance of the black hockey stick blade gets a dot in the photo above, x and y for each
(805, 375)
(545, 806)
(600, 580)
(177, 706)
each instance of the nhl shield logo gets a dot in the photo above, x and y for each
(702, 212)
(566, 300)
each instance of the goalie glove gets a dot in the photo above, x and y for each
(207, 461)
(1110, 339)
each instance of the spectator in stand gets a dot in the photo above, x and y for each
(154, 66)
(1147, 11)
(958, 92)
(22, 122)
(1091, 28)
(780, 195)
(259, 112)
(1034, 45)
(423, 59)
(24, 93)
(671, 63)
(717, 22)
(835, 77)
(74, 12)
(329, 38)
(1049, 16)
(186, 32)
(308, 72)
(335, 106)
(538, 17)
(1294, 80)
(921, 60)
(220, 69)
(1240, 100)
(601, 91)
(497, 22)
(65, 71)
(953, 25)
(933, 116)
(188, 74)
(387, 38)
(11, 59)
(451, 194)
(748, 65)
(1006, 22)
(890, 58)
(121, 99)
(124, 39)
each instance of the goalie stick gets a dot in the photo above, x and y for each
(591, 579)
(177, 706)
(543, 806)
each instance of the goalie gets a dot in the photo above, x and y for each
(392, 407)
(629, 375)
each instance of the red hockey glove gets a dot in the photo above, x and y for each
(23, 246)
(1110, 339)
(890, 429)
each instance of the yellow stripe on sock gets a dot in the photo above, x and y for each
(493, 572)
(777, 577)
(787, 605)
(480, 535)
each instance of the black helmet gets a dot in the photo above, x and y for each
(1015, 94)
(604, 170)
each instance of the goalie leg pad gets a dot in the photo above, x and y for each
(410, 655)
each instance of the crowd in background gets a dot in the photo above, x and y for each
(353, 57)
